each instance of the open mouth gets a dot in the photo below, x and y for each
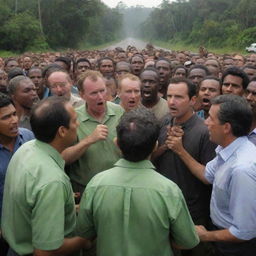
(100, 103)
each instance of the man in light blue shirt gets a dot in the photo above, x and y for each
(233, 175)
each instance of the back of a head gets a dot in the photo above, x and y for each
(5, 100)
(236, 111)
(137, 134)
(48, 116)
(15, 72)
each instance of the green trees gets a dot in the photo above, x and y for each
(208, 22)
(38, 24)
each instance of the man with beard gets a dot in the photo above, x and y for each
(250, 95)
(24, 96)
(149, 93)
(208, 89)
(163, 66)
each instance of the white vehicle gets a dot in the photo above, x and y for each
(251, 48)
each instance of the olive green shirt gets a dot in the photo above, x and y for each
(101, 155)
(133, 211)
(38, 205)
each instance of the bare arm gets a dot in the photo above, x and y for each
(69, 245)
(73, 153)
(216, 236)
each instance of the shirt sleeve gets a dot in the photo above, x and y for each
(243, 202)
(182, 229)
(85, 224)
(48, 217)
(210, 170)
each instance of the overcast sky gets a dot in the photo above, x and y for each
(146, 3)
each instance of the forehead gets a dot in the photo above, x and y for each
(233, 79)
(83, 63)
(27, 59)
(35, 72)
(180, 70)
(89, 85)
(25, 83)
(214, 110)
(210, 83)
(197, 71)
(6, 109)
(122, 67)
(149, 74)
(212, 62)
(252, 86)
(12, 62)
(106, 62)
(162, 63)
(128, 83)
(136, 59)
(58, 76)
(180, 89)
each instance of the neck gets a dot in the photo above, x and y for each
(150, 104)
(184, 118)
(99, 116)
(22, 111)
(7, 142)
(228, 140)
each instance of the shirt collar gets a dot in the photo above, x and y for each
(52, 152)
(226, 152)
(253, 131)
(85, 116)
(188, 123)
(144, 164)
(17, 143)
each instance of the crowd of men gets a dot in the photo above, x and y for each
(128, 152)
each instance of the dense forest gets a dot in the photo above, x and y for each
(27, 25)
(42, 24)
(210, 23)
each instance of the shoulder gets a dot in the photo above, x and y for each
(26, 134)
(114, 108)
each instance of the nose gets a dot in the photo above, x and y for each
(14, 119)
(229, 88)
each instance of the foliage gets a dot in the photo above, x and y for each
(212, 23)
(40, 24)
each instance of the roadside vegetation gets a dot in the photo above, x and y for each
(219, 25)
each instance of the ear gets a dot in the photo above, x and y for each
(227, 128)
(193, 100)
(155, 147)
(62, 131)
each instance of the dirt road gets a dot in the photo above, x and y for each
(134, 42)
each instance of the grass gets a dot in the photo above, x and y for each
(194, 48)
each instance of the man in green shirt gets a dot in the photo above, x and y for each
(95, 150)
(132, 209)
(38, 207)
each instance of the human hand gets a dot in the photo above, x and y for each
(100, 133)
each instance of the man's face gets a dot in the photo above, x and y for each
(250, 94)
(164, 70)
(82, 67)
(149, 86)
(137, 64)
(196, 75)
(227, 63)
(216, 130)
(71, 135)
(181, 57)
(11, 65)
(3, 82)
(94, 94)
(36, 76)
(25, 94)
(233, 85)
(208, 90)
(180, 72)
(251, 72)
(238, 60)
(59, 84)
(27, 63)
(179, 103)
(213, 67)
(251, 60)
(8, 122)
(129, 94)
(106, 68)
